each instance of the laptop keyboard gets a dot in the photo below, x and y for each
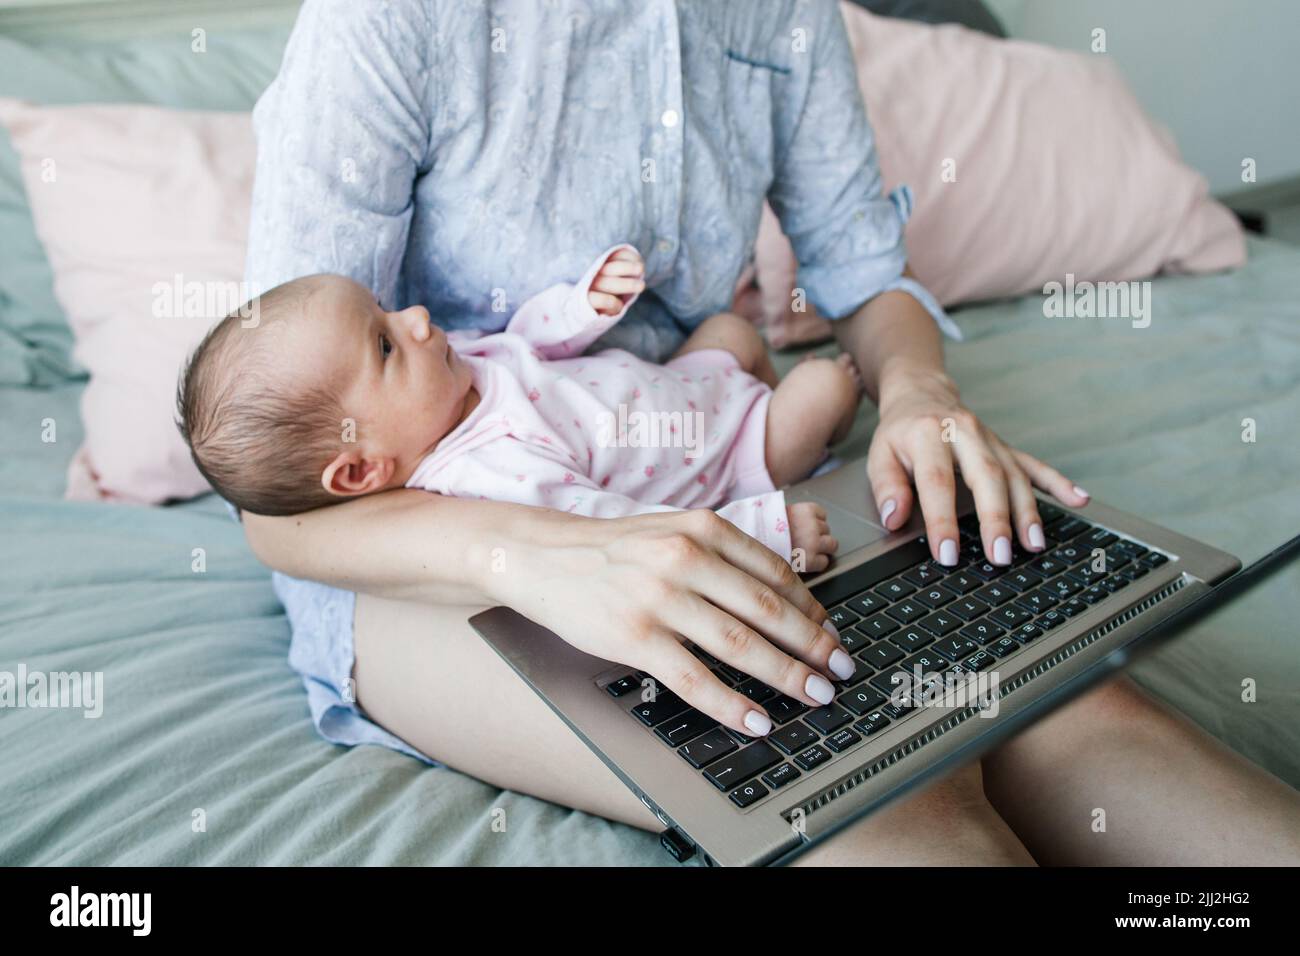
(896, 613)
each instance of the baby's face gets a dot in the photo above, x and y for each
(394, 372)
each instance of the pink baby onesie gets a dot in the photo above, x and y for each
(607, 434)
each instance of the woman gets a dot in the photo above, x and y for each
(466, 155)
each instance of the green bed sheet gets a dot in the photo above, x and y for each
(204, 721)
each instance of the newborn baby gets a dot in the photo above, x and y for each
(327, 396)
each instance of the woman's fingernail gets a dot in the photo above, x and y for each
(760, 725)
(819, 688)
(1002, 550)
(1036, 540)
(1081, 493)
(887, 509)
(841, 664)
(829, 625)
(948, 552)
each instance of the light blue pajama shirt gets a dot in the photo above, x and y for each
(466, 154)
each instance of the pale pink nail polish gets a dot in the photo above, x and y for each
(760, 725)
(887, 509)
(841, 664)
(1002, 550)
(829, 625)
(948, 552)
(819, 688)
(1036, 539)
(1081, 493)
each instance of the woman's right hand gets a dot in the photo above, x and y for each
(630, 589)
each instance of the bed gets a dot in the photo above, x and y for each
(205, 753)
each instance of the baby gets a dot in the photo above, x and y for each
(327, 396)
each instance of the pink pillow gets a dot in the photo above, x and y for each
(135, 204)
(1057, 167)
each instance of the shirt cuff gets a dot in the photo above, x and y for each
(840, 290)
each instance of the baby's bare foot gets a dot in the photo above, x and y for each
(846, 360)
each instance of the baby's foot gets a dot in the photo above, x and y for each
(846, 360)
(849, 368)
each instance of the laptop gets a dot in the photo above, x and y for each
(950, 662)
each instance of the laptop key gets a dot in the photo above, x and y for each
(955, 647)
(1036, 602)
(756, 690)
(940, 623)
(860, 700)
(793, 738)
(873, 722)
(702, 751)
(1068, 529)
(1098, 538)
(1093, 594)
(1069, 554)
(684, 727)
(1010, 616)
(842, 740)
(922, 576)
(1003, 646)
(995, 594)
(1064, 587)
(624, 685)
(665, 706)
(853, 639)
(987, 571)
(1154, 559)
(1023, 580)
(928, 661)
(881, 654)
(1051, 619)
(828, 719)
(981, 632)
(961, 582)
(894, 590)
(905, 612)
(778, 778)
(934, 597)
(1027, 632)
(742, 765)
(1072, 607)
(812, 757)
(912, 639)
(980, 660)
(968, 608)
(749, 794)
(842, 616)
(877, 626)
(861, 671)
(785, 709)
(867, 604)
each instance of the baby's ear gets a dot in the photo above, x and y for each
(349, 474)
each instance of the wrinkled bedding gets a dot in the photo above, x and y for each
(204, 723)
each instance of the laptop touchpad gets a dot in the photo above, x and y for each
(853, 531)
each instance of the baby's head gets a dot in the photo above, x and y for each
(323, 395)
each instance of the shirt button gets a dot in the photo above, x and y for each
(665, 245)
(670, 118)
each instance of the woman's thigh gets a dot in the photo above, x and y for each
(425, 675)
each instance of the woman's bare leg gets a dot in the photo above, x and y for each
(425, 675)
(1172, 795)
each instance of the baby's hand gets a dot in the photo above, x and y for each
(623, 274)
(810, 537)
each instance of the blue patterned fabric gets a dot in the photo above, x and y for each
(466, 154)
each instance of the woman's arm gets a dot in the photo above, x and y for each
(625, 589)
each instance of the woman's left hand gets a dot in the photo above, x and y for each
(925, 435)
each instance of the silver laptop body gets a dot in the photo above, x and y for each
(706, 818)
